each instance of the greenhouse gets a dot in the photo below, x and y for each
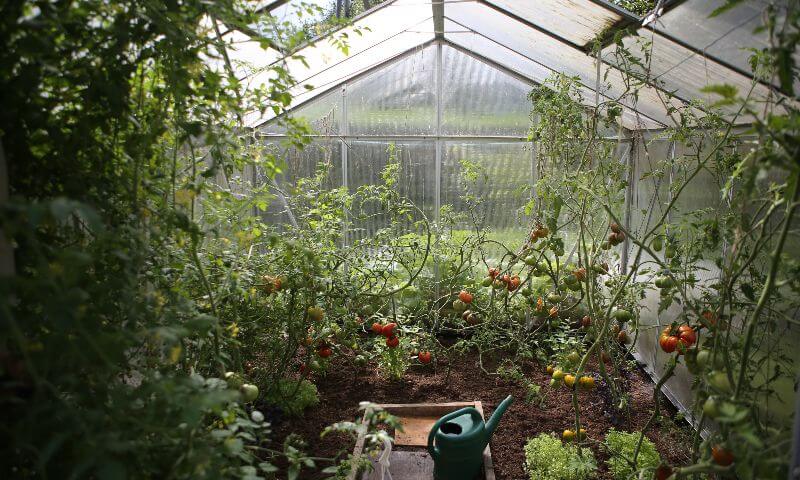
(402, 239)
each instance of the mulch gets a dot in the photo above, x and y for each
(344, 387)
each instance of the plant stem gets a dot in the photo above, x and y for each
(766, 291)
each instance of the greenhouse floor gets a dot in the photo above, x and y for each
(344, 386)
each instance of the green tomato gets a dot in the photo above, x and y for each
(719, 381)
(703, 357)
(669, 252)
(234, 380)
(664, 281)
(657, 244)
(623, 315)
(554, 297)
(530, 260)
(459, 306)
(486, 281)
(574, 357)
(711, 408)
(575, 287)
(249, 392)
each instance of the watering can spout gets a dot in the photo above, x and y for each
(491, 424)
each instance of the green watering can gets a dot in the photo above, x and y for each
(457, 441)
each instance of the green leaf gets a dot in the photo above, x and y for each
(724, 8)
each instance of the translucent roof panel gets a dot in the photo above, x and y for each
(555, 55)
(685, 72)
(529, 68)
(371, 40)
(577, 21)
(728, 36)
(299, 13)
(323, 115)
(398, 99)
(480, 99)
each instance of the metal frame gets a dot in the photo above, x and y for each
(438, 16)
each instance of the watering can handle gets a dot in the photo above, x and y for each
(434, 451)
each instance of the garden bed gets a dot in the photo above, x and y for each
(344, 387)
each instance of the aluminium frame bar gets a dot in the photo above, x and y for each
(411, 137)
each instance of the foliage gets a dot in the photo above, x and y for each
(293, 396)
(639, 7)
(546, 458)
(131, 291)
(623, 447)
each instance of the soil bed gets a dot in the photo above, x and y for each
(344, 387)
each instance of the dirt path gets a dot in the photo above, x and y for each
(342, 389)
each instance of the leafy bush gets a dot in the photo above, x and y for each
(622, 445)
(293, 397)
(546, 458)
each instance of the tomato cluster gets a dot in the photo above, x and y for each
(680, 338)
(388, 331)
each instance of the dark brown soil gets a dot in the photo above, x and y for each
(343, 388)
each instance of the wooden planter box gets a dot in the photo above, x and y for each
(413, 462)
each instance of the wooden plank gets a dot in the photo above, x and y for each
(417, 464)
(424, 409)
(415, 431)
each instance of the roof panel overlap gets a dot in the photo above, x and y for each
(577, 21)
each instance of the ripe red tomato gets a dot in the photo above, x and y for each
(722, 456)
(513, 283)
(494, 272)
(424, 357)
(388, 329)
(668, 343)
(392, 342)
(377, 328)
(586, 321)
(325, 352)
(615, 227)
(687, 335)
(303, 368)
(465, 296)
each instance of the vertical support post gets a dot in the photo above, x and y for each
(631, 171)
(345, 130)
(439, 146)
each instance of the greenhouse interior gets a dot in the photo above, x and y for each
(400, 240)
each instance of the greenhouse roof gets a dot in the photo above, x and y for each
(535, 40)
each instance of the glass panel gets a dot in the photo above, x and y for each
(502, 189)
(366, 161)
(578, 21)
(553, 54)
(295, 164)
(323, 114)
(530, 68)
(371, 40)
(727, 36)
(397, 99)
(684, 72)
(480, 99)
